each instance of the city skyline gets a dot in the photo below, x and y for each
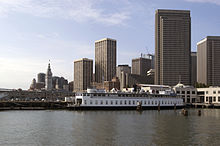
(34, 32)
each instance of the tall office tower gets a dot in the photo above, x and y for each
(172, 47)
(121, 72)
(41, 77)
(193, 68)
(141, 65)
(208, 61)
(83, 71)
(49, 78)
(105, 60)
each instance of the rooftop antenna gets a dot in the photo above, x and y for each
(147, 49)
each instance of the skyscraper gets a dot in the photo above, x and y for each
(49, 79)
(41, 77)
(141, 65)
(121, 72)
(172, 47)
(193, 68)
(83, 71)
(105, 60)
(208, 61)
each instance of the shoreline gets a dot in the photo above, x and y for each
(52, 105)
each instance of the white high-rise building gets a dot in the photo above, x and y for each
(49, 78)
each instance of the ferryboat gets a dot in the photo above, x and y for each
(115, 100)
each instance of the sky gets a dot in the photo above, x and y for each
(32, 32)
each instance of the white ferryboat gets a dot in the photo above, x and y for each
(96, 99)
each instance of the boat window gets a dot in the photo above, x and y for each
(125, 102)
(162, 101)
(152, 102)
(111, 102)
(106, 102)
(133, 102)
(148, 101)
(155, 102)
(121, 102)
(129, 102)
(96, 102)
(116, 102)
(101, 102)
(145, 102)
(84, 94)
(90, 101)
(84, 101)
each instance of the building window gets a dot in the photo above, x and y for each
(207, 92)
(214, 99)
(214, 92)
(219, 99)
(125, 102)
(120, 102)
(111, 102)
(207, 99)
(133, 102)
(145, 102)
(129, 102)
(162, 101)
(193, 92)
(152, 102)
(84, 101)
(106, 102)
(96, 102)
(101, 102)
(218, 92)
(183, 92)
(155, 102)
(90, 101)
(188, 92)
(116, 102)
(178, 92)
(148, 101)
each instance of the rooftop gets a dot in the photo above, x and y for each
(105, 39)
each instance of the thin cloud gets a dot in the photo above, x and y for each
(205, 1)
(77, 10)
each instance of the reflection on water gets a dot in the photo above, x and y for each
(167, 127)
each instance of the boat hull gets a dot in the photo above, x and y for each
(122, 107)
